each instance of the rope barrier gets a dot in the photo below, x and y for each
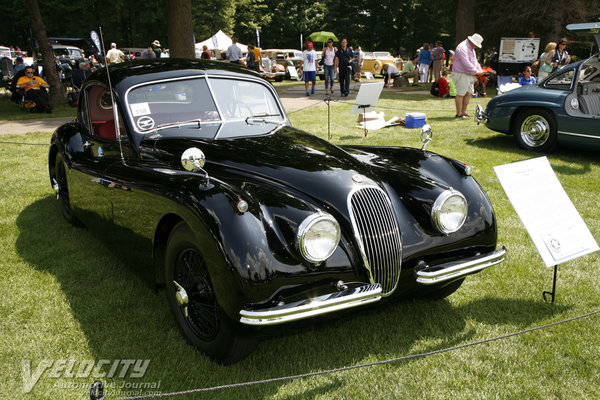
(331, 371)
(24, 143)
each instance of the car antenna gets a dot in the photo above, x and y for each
(112, 98)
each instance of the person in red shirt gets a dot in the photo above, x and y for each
(205, 53)
(482, 80)
(443, 85)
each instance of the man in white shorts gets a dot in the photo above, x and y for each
(464, 69)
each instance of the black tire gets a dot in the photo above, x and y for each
(206, 325)
(535, 130)
(443, 292)
(61, 186)
(279, 78)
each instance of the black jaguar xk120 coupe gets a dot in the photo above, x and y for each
(193, 170)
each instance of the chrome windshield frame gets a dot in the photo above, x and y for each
(208, 77)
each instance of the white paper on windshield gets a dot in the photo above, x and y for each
(552, 221)
(139, 109)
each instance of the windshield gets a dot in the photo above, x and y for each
(67, 53)
(213, 101)
(381, 54)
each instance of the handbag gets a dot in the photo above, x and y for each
(546, 68)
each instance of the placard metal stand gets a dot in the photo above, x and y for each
(553, 292)
(328, 100)
(364, 107)
(365, 101)
(552, 221)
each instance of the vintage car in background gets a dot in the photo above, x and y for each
(374, 62)
(285, 58)
(562, 109)
(191, 172)
(131, 53)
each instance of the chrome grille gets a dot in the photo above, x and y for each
(378, 235)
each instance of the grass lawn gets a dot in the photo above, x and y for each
(11, 111)
(65, 296)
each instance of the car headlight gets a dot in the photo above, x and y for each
(318, 237)
(449, 211)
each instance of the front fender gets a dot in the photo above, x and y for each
(251, 255)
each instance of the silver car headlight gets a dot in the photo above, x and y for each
(318, 237)
(449, 211)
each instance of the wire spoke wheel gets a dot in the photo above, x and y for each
(61, 188)
(202, 309)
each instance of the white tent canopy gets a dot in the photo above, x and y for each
(219, 41)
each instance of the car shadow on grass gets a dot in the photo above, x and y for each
(122, 318)
(577, 161)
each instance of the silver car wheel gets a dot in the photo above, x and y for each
(535, 130)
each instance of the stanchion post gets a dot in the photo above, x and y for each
(364, 110)
(553, 292)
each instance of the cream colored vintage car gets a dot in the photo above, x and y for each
(374, 61)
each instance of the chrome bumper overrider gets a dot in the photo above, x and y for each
(313, 307)
(458, 269)
(480, 115)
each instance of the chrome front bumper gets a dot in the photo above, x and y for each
(480, 115)
(312, 307)
(457, 269)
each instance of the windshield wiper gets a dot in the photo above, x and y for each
(261, 119)
(180, 124)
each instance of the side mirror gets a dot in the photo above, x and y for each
(193, 159)
(426, 135)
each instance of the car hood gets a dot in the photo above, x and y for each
(296, 160)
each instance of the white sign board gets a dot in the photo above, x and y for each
(368, 94)
(519, 50)
(293, 73)
(552, 221)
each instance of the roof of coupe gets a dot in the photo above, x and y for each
(165, 68)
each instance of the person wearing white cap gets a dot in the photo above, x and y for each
(464, 69)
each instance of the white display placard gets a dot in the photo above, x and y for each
(368, 94)
(552, 221)
(293, 73)
(519, 50)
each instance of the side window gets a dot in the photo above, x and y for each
(561, 81)
(99, 105)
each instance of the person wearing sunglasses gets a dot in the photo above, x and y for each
(560, 56)
(34, 88)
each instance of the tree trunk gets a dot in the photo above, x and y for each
(181, 28)
(58, 93)
(465, 19)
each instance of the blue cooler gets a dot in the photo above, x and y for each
(415, 120)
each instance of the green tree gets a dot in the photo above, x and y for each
(250, 15)
(289, 20)
(211, 16)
